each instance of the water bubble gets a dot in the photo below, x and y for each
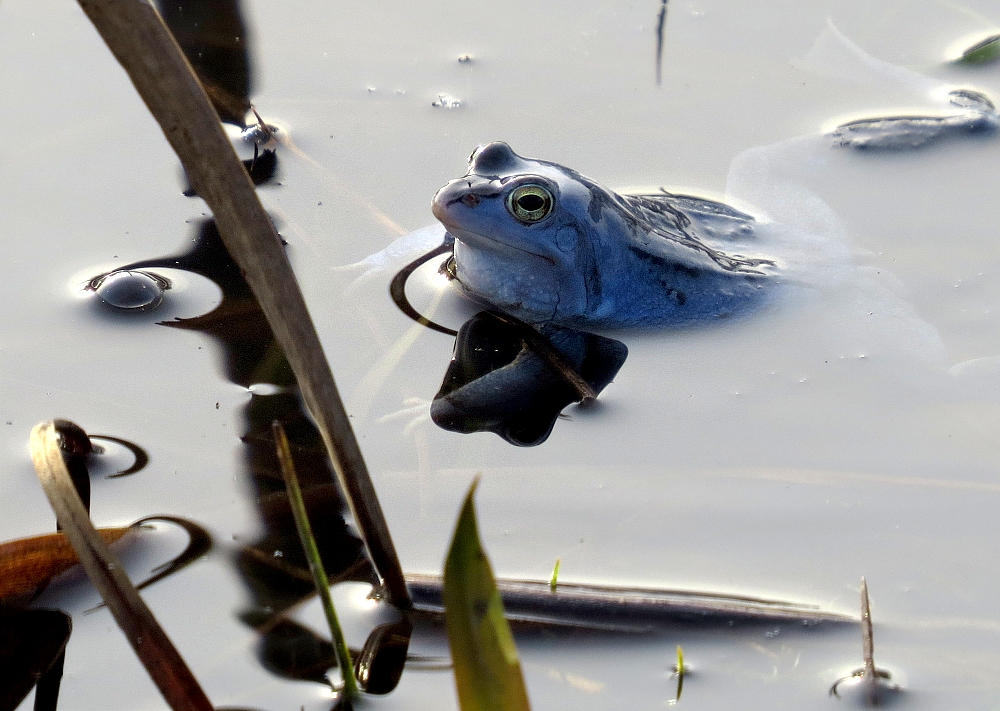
(447, 101)
(131, 290)
(259, 133)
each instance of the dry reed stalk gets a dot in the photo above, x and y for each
(145, 48)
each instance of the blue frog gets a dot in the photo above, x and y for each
(550, 246)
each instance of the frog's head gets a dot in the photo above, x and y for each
(513, 206)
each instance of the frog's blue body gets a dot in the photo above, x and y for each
(589, 257)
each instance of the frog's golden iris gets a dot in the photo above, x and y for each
(529, 203)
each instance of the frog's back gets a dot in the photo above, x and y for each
(670, 259)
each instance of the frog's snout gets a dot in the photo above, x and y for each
(459, 190)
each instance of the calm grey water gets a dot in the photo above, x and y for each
(851, 429)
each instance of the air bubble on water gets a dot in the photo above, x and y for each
(130, 290)
(265, 389)
(447, 101)
(258, 134)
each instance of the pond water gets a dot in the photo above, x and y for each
(848, 429)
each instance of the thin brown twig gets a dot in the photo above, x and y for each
(869, 675)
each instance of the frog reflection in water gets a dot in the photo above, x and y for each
(549, 246)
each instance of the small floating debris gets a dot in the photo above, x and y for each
(982, 52)
(447, 101)
(979, 115)
(875, 690)
(661, 21)
(130, 290)
(465, 58)
(259, 134)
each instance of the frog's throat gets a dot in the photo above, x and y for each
(472, 238)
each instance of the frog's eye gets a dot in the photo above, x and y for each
(530, 203)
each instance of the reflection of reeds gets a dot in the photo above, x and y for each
(661, 22)
(146, 50)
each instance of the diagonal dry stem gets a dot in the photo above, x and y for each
(144, 47)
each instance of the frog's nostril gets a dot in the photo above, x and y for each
(470, 200)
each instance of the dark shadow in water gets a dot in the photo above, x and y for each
(288, 645)
(141, 457)
(274, 567)
(199, 543)
(213, 36)
(32, 652)
(498, 382)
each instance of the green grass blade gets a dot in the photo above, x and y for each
(487, 669)
(315, 562)
(983, 52)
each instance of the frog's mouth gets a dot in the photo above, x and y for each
(477, 239)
